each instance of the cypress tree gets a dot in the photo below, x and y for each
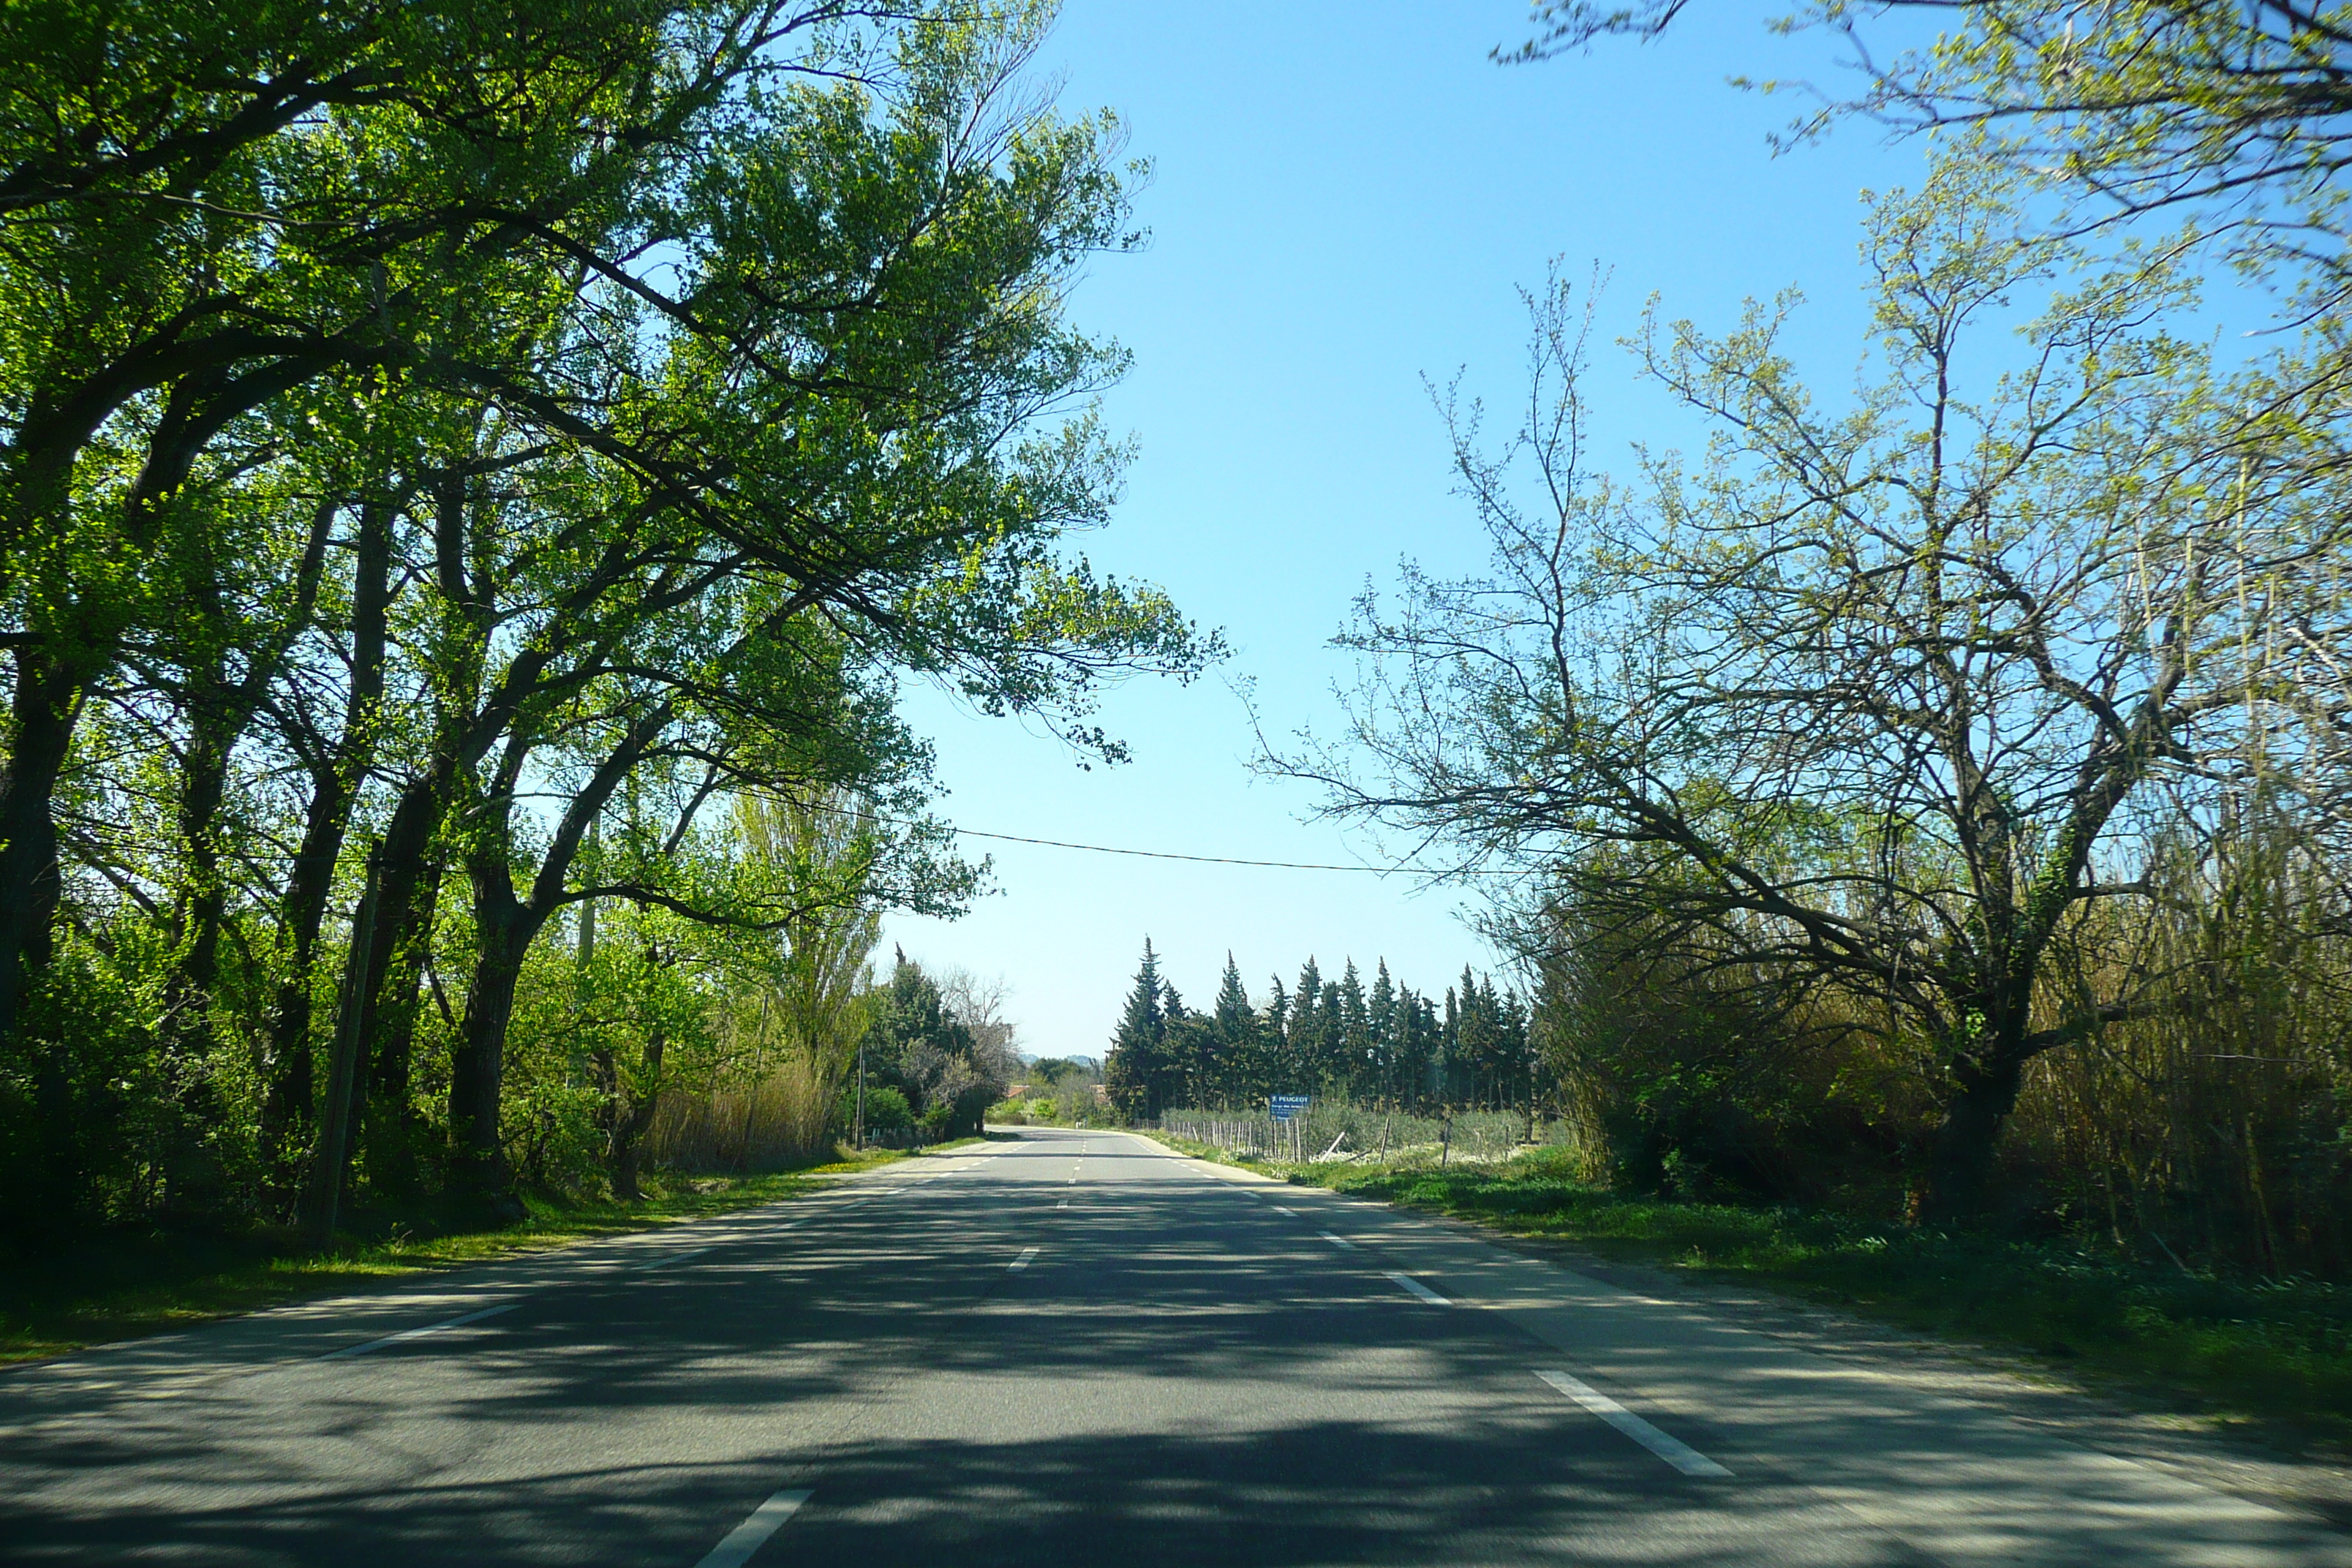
(1303, 1062)
(1330, 1069)
(1480, 1039)
(1382, 1049)
(1352, 1056)
(1235, 1028)
(1387, 1044)
(1450, 1044)
(1135, 1070)
(1185, 1049)
(1273, 1055)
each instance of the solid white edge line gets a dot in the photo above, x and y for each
(752, 1533)
(1336, 1240)
(1673, 1451)
(364, 1348)
(1420, 1289)
(1021, 1262)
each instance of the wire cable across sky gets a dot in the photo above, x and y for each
(1174, 855)
(1234, 860)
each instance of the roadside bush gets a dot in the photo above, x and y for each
(885, 1109)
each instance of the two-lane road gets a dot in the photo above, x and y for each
(1072, 1348)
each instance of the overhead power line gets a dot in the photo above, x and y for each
(1230, 859)
(1172, 855)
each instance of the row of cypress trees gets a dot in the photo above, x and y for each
(1385, 1044)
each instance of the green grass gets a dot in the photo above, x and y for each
(2267, 1358)
(124, 1283)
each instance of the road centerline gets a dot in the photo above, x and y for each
(752, 1533)
(1672, 1449)
(418, 1333)
(673, 1259)
(1418, 1289)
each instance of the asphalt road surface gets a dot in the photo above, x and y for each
(1074, 1348)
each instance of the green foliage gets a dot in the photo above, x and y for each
(887, 1109)
(933, 1057)
(371, 518)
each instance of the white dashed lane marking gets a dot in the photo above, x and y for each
(1420, 1289)
(675, 1257)
(1673, 1451)
(420, 1333)
(752, 1533)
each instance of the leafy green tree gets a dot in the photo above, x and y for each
(295, 207)
(408, 550)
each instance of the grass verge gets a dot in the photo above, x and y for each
(2271, 1359)
(123, 1284)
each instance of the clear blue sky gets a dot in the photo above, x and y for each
(1345, 199)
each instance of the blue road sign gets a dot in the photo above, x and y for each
(1289, 1107)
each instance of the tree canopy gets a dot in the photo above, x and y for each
(453, 458)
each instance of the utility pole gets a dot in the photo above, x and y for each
(858, 1135)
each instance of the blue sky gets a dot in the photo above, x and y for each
(1345, 199)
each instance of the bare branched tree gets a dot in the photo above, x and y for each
(1886, 699)
(2238, 112)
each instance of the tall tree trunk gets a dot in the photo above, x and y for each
(1961, 1160)
(405, 888)
(394, 1132)
(288, 1069)
(626, 1116)
(46, 705)
(632, 1119)
(220, 710)
(194, 1180)
(504, 928)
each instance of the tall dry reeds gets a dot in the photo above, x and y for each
(2212, 1128)
(2215, 1126)
(784, 1120)
(793, 1021)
